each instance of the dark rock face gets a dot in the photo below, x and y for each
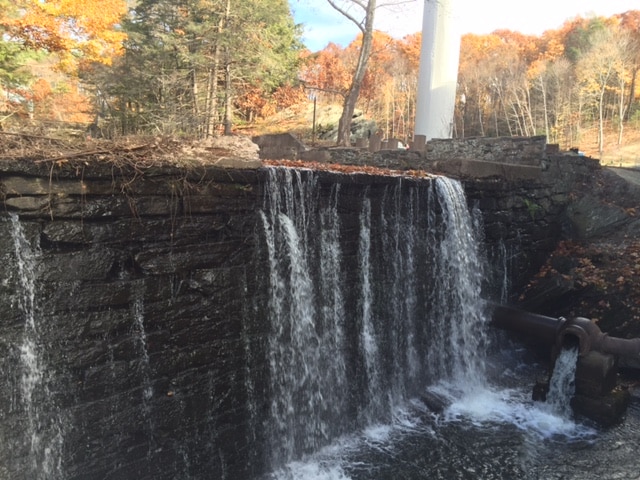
(150, 296)
(141, 291)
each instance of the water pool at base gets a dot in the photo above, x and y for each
(494, 434)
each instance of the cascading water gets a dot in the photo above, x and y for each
(459, 312)
(140, 336)
(417, 251)
(44, 430)
(368, 335)
(314, 385)
(563, 382)
(306, 343)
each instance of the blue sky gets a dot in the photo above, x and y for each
(323, 24)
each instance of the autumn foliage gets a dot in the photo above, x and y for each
(73, 29)
(198, 65)
(562, 83)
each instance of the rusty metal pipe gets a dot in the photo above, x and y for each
(539, 327)
(626, 347)
(592, 338)
(555, 331)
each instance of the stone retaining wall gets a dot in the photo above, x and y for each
(523, 151)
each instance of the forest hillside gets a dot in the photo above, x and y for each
(203, 68)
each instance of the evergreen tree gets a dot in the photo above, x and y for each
(186, 61)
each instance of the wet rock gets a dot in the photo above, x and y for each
(607, 410)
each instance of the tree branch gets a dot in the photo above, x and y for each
(348, 15)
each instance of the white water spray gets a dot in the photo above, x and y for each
(44, 429)
(459, 350)
(562, 385)
(368, 334)
(140, 335)
(306, 344)
(314, 385)
(414, 308)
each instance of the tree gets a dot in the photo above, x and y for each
(367, 10)
(188, 63)
(606, 60)
(327, 72)
(268, 54)
(630, 22)
(485, 84)
(12, 59)
(78, 31)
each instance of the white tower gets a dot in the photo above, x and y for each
(438, 73)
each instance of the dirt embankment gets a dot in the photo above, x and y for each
(595, 273)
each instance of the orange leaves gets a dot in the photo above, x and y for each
(330, 70)
(66, 103)
(327, 70)
(287, 95)
(254, 101)
(410, 47)
(69, 28)
(41, 90)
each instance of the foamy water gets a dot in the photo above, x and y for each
(504, 412)
(510, 406)
(399, 351)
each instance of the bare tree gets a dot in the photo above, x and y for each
(365, 24)
(606, 62)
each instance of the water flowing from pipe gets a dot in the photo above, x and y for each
(563, 382)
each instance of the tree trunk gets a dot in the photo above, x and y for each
(632, 89)
(228, 98)
(545, 107)
(349, 106)
(212, 85)
(195, 110)
(601, 121)
(621, 107)
(212, 95)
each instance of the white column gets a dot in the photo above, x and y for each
(438, 73)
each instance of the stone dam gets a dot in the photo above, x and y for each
(135, 306)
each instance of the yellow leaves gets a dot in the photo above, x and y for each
(553, 45)
(85, 29)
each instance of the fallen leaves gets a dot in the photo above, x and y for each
(606, 282)
(348, 169)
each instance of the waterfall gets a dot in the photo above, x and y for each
(144, 368)
(323, 290)
(306, 351)
(503, 257)
(368, 336)
(459, 333)
(44, 430)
